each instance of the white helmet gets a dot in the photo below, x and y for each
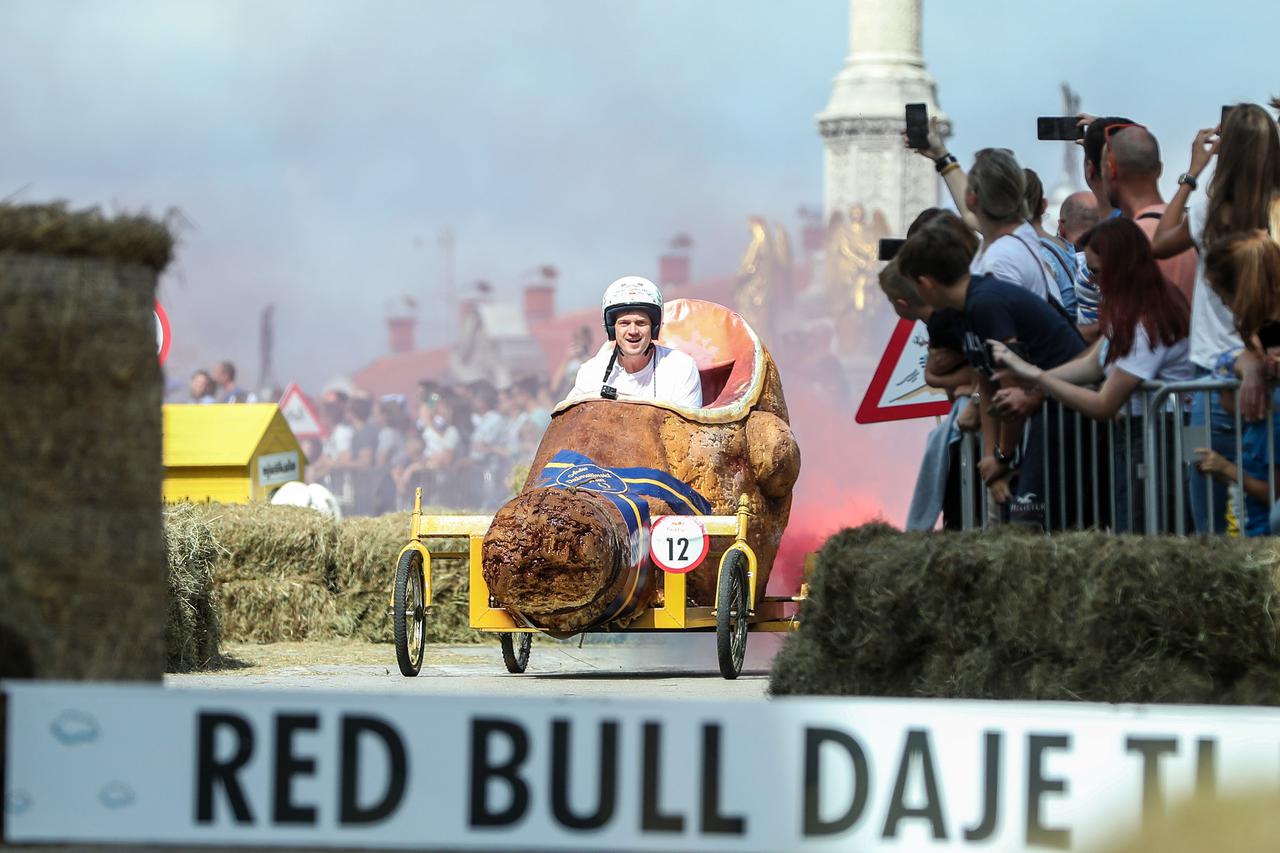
(632, 292)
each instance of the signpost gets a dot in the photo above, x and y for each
(164, 335)
(303, 417)
(898, 391)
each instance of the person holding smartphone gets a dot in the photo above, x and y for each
(1242, 195)
(937, 259)
(1145, 320)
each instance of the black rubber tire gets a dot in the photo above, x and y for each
(732, 615)
(409, 614)
(515, 650)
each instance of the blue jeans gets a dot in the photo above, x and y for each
(1222, 434)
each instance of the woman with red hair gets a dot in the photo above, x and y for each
(1144, 320)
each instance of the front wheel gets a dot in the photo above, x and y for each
(515, 651)
(409, 613)
(732, 615)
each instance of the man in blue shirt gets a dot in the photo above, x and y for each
(936, 259)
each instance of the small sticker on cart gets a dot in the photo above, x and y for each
(678, 543)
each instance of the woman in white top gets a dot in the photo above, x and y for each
(1241, 196)
(1145, 321)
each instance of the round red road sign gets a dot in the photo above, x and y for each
(163, 335)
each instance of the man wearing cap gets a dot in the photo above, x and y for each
(634, 367)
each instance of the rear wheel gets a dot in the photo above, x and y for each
(409, 614)
(515, 651)
(732, 613)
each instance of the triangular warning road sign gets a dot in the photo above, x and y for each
(898, 391)
(301, 414)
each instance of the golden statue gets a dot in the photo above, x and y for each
(764, 276)
(852, 252)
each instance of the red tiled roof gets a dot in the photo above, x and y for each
(399, 374)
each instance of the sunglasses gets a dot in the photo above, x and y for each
(1113, 128)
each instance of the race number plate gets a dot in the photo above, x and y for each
(678, 543)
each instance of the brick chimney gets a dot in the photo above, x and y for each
(400, 334)
(539, 302)
(673, 264)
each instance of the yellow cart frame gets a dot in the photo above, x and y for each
(771, 613)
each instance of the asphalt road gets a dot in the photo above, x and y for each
(651, 666)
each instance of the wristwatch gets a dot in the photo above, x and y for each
(944, 161)
(1001, 457)
(1188, 179)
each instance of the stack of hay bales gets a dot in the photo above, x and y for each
(289, 573)
(192, 630)
(272, 584)
(82, 560)
(1011, 615)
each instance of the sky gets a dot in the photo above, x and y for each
(316, 150)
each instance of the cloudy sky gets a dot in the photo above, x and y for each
(316, 149)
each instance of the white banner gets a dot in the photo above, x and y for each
(142, 764)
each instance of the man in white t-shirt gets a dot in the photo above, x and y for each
(634, 367)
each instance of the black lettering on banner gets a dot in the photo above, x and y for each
(1038, 786)
(991, 749)
(652, 820)
(814, 825)
(1152, 790)
(211, 770)
(483, 770)
(1207, 767)
(713, 821)
(349, 809)
(289, 765)
(917, 744)
(608, 797)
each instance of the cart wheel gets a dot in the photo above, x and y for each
(515, 651)
(409, 614)
(732, 615)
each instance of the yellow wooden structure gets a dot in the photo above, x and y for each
(231, 453)
(751, 611)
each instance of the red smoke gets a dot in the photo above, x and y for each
(850, 473)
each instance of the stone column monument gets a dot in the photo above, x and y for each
(862, 125)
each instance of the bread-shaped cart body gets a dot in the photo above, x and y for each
(570, 552)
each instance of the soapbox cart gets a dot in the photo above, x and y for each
(731, 618)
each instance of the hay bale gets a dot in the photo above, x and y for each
(52, 229)
(272, 552)
(364, 572)
(274, 610)
(365, 552)
(1011, 615)
(264, 541)
(192, 631)
(82, 561)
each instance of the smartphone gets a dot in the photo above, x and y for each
(918, 126)
(1192, 437)
(889, 247)
(1226, 109)
(1063, 128)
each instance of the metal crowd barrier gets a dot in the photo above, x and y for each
(1133, 474)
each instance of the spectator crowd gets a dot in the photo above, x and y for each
(1044, 341)
(463, 444)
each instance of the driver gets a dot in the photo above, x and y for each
(636, 368)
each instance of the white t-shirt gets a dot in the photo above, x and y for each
(1016, 258)
(437, 442)
(339, 441)
(1160, 363)
(669, 377)
(1213, 327)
